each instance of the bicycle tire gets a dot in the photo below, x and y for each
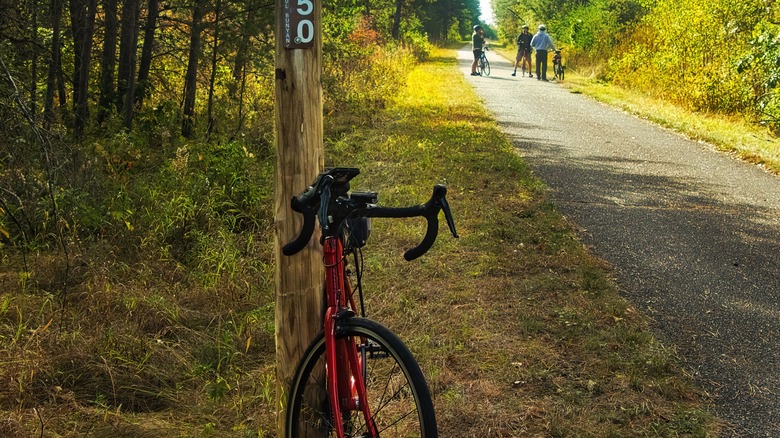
(395, 387)
(559, 71)
(484, 66)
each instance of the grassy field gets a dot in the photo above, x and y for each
(520, 331)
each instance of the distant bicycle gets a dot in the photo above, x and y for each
(484, 65)
(558, 68)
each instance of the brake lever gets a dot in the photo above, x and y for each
(322, 214)
(448, 215)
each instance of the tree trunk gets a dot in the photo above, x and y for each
(63, 95)
(34, 59)
(191, 78)
(214, 56)
(242, 88)
(396, 30)
(239, 67)
(108, 64)
(153, 11)
(83, 22)
(54, 62)
(299, 144)
(76, 9)
(128, 46)
(238, 86)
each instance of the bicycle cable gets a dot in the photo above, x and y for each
(358, 255)
(359, 278)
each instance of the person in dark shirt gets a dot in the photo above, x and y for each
(523, 51)
(477, 42)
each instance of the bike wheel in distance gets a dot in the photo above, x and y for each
(558, 72)
(484, 67)
(398, 396)
(563, 71)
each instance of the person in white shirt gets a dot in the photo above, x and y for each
(542, 43)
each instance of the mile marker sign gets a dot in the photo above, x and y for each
(298, 24)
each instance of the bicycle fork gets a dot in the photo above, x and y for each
(345, 364)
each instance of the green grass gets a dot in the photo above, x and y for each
(520, 331)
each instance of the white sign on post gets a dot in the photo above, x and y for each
(298, 24)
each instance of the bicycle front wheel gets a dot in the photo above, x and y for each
(398, 397)
(484, 66)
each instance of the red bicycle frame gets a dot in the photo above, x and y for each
(344, 376)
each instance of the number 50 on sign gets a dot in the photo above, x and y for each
(298, 24)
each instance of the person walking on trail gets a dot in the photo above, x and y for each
(542, 43)
(477, 43)
(523, 51)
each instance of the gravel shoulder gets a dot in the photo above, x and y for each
(693, 234)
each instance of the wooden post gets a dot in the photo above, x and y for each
(299, 145)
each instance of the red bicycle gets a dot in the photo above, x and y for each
(357, 378)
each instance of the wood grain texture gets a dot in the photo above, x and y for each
(299, 144)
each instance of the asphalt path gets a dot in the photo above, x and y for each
(693, 234)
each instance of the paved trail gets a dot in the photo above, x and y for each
(694, 234)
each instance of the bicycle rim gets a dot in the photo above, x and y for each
(397, 394)
(486, 68)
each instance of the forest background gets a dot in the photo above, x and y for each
(136, 169)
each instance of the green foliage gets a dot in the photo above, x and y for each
(595, 28)
(761, 67)
(695, 44)
(359, 71)
(447, 20)
(200, 201)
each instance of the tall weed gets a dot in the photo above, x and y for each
(694, 46)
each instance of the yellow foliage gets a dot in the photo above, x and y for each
(685, 51)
